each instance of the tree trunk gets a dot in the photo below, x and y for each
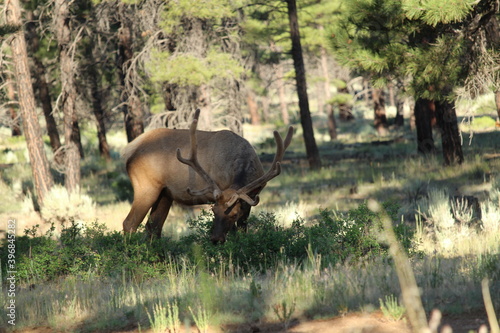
(99, 116)
(39, 163)
(41, 88)
(94, 79)
(266, 101)
(399, 121)
(450, 135)
(380, 121)
(345, 110)
(11, 95)
(132, 107)
(497, 102)
(44, 98)
(413, 125)
(392, 99)
(278, 69)
(332, 125)
(300, 77)
(168, 96)
(253, 108)
(282, 94)
(422, 111)
(68, 96)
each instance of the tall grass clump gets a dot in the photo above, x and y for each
(455, 226)
(61, 206)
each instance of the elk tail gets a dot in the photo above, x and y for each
(131, 148)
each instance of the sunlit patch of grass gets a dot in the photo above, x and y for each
(448, 227)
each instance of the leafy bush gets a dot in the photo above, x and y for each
(94, 251)
(121, 186)
(336, 237)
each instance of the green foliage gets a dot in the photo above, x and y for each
(410, 39)
(438, 11)
(6, 29)
(340, 99)
(93, 251)
(175, 12)
(190, 70)
(122, 187)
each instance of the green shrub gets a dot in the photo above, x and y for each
(95, 251)
(121, 186)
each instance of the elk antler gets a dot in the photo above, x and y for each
(275, 170)
(193, 162)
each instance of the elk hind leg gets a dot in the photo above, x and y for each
(143, 201)
(159, 213)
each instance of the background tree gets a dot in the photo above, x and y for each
(39, 163)
(67, 45)
(300, 77)
(393, 39)
(131, 104)
(315, 16)
(11, 95)
(40, 85)
(199, 63)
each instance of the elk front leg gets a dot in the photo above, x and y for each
(159, 213)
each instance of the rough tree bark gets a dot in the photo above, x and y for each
(300, 78)
(131, 104)
(423, 118)
(11, 95)
(39, 163)
(446, 117)
(68, 95)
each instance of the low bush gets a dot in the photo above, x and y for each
(95, 251)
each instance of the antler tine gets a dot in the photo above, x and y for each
(274, 171)
(193, 161)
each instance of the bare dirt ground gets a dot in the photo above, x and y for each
(351, 323)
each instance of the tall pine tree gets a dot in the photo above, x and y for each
(428, 42)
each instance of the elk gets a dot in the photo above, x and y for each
(223, 169)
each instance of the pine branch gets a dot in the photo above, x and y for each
(8, 29)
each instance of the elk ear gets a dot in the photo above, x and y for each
(217, 194)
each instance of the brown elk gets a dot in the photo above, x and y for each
(223, 168)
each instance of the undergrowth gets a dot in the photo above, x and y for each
(95, 251)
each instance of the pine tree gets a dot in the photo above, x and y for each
(426, 42)
(39, 163)
(72, 141)
(200, 66)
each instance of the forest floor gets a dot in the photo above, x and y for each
(350, 323)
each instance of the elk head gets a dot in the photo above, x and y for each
(232, 204)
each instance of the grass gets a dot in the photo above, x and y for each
(391, 308)
(98, 304)
(159, 290)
